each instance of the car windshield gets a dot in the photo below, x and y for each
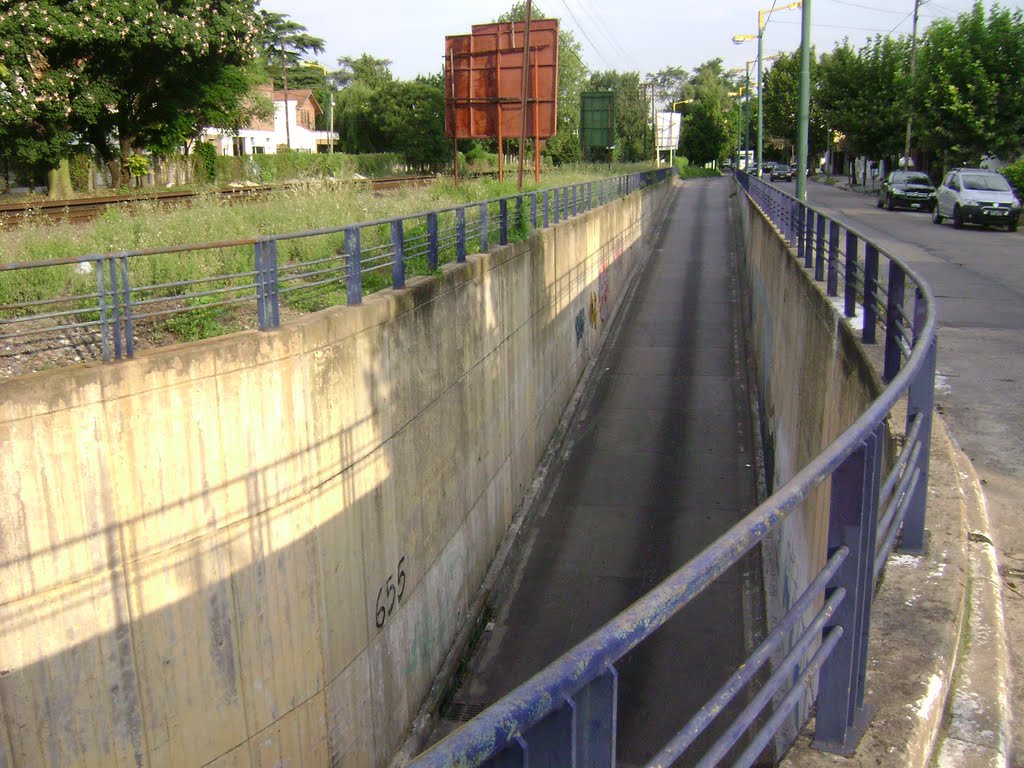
(991, 182)
(911, 178)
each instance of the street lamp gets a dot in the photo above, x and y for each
(762, 19)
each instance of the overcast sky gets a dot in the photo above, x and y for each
(626, 35)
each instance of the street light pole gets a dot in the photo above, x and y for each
(760, 91)
(804, 105)
(913, 66)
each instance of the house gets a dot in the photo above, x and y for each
(266, 136)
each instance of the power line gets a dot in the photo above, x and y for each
(867, 7)
(605, 31)
(585, 35)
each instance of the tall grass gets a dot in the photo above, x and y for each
(209, 218)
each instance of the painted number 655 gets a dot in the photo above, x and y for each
(390, 594)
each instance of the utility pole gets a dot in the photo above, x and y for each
(654, 125)
(910, 101)
(804, 103)
(284, 82)
(526, 81)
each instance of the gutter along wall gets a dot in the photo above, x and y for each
(257, 549)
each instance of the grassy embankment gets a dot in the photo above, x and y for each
(208, 219)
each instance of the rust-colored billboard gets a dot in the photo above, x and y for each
(483, 78)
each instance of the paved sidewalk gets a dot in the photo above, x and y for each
(656, 463)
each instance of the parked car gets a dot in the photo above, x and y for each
(976, 196)
(782, 172)
(907, 189)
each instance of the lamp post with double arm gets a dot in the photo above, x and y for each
(762, 20)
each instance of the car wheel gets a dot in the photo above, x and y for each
(1011, 227)
(878, 202)
(936, 216)
(958, 221)
(888, 202)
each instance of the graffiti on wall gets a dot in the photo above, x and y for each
(580, 326)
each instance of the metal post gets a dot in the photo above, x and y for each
(503, 221)
(596, 707)
(533, 209)
(273, 284)
(432, 241)
(398, 246)
(893, 323)
(547, 207)
(354, 271)
(460, 235)
(850, 295)
(853, 518)
(809, 240)
(819, 249)
(126, 298)
(870, 293)
(484, 232)
(832, 289)
(920, 401)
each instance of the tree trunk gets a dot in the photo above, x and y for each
(58, 181)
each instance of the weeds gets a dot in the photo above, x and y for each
(207, 219)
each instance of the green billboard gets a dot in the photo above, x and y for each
(597, 125)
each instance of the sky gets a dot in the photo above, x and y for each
(642, 36)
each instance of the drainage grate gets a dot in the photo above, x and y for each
(463, 712)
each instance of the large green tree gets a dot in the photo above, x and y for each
(780, 101)
(970, 85)
(411, 117)
(119, 76)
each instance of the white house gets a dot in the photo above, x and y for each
(264, 136)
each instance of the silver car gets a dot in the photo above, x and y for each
(976, 196)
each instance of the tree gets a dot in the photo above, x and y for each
(411, 117)
(970, 85)
(705, 132)
(117, 75)
(865, 95)
(780, 100)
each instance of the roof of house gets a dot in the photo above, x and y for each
(300, 95)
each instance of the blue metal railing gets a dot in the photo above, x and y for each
(126, 291)
(565, 715)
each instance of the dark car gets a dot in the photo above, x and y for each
(907, 189)
(783, 172)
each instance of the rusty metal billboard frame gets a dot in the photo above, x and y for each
(483, 81)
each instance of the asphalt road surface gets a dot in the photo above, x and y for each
(977, 275)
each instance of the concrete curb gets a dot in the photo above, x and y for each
(937, 654)
(978, 715)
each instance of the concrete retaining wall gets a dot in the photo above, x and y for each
(813, 381)
(256, 550)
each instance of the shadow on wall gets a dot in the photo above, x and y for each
(246, 618)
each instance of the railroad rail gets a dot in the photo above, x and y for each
(82, 209)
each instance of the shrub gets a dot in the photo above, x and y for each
(1014, 174)
(206, 162)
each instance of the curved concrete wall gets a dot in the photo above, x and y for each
(256, 550)
(814, 380)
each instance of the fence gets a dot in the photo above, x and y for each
(565, 715)
(108, 296)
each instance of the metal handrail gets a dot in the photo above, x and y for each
(539, 716)
(382, 249)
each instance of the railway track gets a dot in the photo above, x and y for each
(87, 208)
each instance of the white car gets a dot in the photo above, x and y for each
(976, 196)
